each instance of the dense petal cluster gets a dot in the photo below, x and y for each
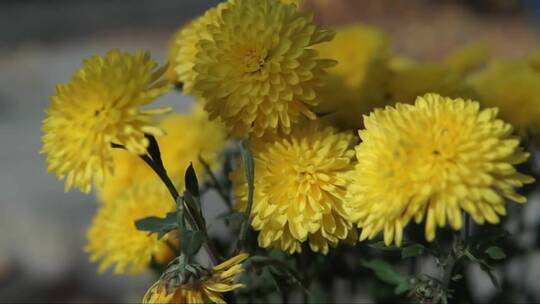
(185, 46)
(113, 239)
(431, 160)
(101, 105)
(300, 185)
(358, 83)
(200, 290)
(514, 88)
(187, 137)
(258, 71)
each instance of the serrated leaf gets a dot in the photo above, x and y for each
(495, 253)
(385, 272)
(158, 225)
(192, 183)
(412, 251)
(191, 242)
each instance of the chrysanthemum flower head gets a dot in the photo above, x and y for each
(514, 88)
(187, 136)
(430, 161)
(300, 184)
(205, 289)
(113, 239)
(258, 71)
(101, 105)
(185, 46)
(358, 83)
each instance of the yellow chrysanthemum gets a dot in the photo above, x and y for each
(113, 238)
(300, 183)
(258, 70)
(172, 53)
(187, 136)
(431, 160)
(514, 88)
(358, 83)
(101, 105)
(200, 290)
(185, 46)
(416, 79)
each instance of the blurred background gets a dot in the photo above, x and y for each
(42, 230)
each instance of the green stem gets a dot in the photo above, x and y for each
(448, 270)
(455, 254)
(249, 171)
(192, 220)
(302, 262)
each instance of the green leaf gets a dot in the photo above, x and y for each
(280, 267)
(192, 184)
(485, 267)
(381, 246)
(191, 242)
(194, 203)
(412, 251)
(386, 273)
(488, 270)
(180, 214)
(268, 277)
(402, 287)
(153, 149)
(495, 253)
(155, 224)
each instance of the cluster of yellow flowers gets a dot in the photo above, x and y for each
(349, 140)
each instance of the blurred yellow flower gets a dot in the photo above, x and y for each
(358, 83)
(113, 239)
(187, 136)
(101, 105)
(411, 80)
(258, 71)
(200, 290)
(300, 184)
(514, 88)
(185, 46)
(430, 161)
(467, 58)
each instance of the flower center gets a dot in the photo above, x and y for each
(253, 60)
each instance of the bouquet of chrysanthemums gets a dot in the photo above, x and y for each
(342, 165)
